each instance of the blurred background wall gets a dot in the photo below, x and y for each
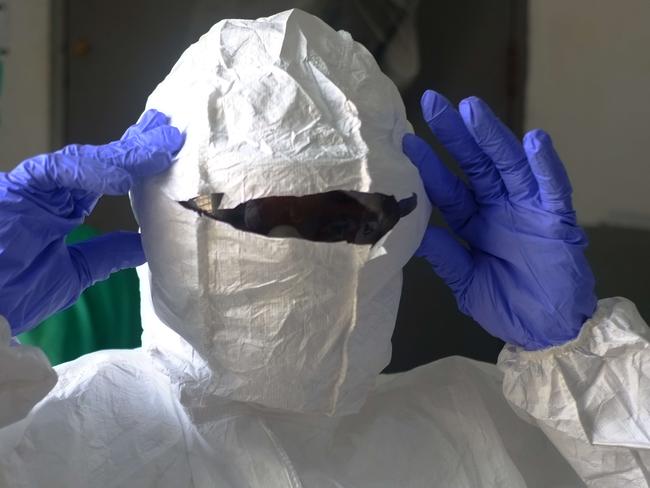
(26, 108)
(80, 71)
(589, 85)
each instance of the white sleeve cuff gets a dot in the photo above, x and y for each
(595, 388)
(26, 377)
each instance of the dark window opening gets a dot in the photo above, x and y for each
(334, 216)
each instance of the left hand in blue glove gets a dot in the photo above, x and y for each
(46, 197)
(522, 275)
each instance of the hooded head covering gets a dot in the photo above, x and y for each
(279, 106)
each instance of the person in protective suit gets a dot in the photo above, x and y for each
(262, 349)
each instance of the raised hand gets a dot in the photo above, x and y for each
(521, 272)
(47, 196)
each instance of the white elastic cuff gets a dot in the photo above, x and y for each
(595, 388)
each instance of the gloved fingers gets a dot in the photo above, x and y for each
(146, 153)
(85, 200)
(110, 169)
(28, 174)
(148, 120)
(554, 185)
(96, 259)
(447, 125)
(449, 259)
(445, 190)
(501, 146)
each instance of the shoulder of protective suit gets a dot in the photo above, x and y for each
(26, 376)
(110, 408)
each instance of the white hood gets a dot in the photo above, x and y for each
(279, 106)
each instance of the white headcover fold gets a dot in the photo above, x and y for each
(277, 106)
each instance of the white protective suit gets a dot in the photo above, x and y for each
(261, 356)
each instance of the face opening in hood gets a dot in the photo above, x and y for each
(334, 216)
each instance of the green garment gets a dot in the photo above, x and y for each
(106, 316)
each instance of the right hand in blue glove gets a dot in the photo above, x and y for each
(523, 275)
(47, 196)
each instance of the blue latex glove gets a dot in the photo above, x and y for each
(45, 197)
(522, 275)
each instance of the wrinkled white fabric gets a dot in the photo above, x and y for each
(116, 418)
(25, 377)
(399, 36)
(278, 106)
(591, 396)
(210, 400)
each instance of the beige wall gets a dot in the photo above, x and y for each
(25, 102)
(589, 86)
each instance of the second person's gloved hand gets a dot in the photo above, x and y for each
(47, 196)
(523, 275)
